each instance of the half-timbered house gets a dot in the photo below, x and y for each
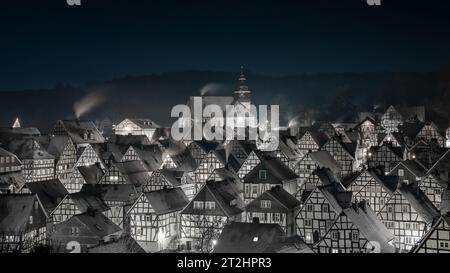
(22, 223)
(81, 132)
(408, 214)
(391, 119)
(37, 164)
(155, 220)
(270, 172)
(310, 141)
(77, 203)
(344, 153)
(275, 206)
(203, 219)
(356, 230)
(322, 207)
(82, 231)
(65, 153)
(11, 178)
(437, 239)
(385, 156)
(136, 126)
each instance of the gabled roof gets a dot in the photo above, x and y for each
(398, 151)
(443, 164)
(97, 223)
(228, 159)
(336, 195)
(77, 128)
(172, 176)
(143, 123)
(115, 192)
(28, 149)
(15, 210)
(367, 118)
(50, 193)
(125, 244)
(413, 166)
(277, 172)
(223, 192)
(240, 238)
(134, 172)
(279, 195)
(5, 153)
(325, 160)
(57, 144)
(92, 174)
(419, 201)
(167, 200)
(150, 155)
(87, 201)
(368, 223)
(183, 160)
(388, 182)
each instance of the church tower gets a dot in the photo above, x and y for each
(242, 94)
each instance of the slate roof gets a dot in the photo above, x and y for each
(125, 244)
(368, 223)
(77, 128)
(325, 160)
(86, 201)
(28, 149)
(50, 193)
(167, 200)
(223, 193)
(92, 174)
(144, 123)
(277, 172)
(98, 223)
(419, 201)
(240, 238)
(278, 194)
(15, 210)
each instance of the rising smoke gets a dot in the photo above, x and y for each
(88, 103)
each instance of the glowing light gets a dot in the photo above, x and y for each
(214, 242)
(255, 239)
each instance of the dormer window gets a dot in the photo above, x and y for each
(85, 136)
(401, 172)
(263, 174)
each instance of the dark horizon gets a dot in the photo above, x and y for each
(47, 42)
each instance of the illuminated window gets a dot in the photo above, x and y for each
(198, 205)
(210, 205)
(266, 204)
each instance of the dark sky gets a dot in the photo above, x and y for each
(44, 42)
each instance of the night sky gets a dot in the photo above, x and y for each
(46, 42)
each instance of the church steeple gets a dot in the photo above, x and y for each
(16, 123)
(242, 94)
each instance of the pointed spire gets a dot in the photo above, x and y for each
(242, 81)
(16, 123)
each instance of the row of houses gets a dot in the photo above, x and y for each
(376, 185)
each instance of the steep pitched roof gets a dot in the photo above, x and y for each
(223, 192)
(249, 238)
(370, 225)
(279, 195)
(325, 160)
(277, 172)
(50, 193)
(419, 201)
(77, 128)
(98, 223)
(28, 149)
(86, 201)
(125, 244)
(15, 210)
(167, 200)
(92, 174)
